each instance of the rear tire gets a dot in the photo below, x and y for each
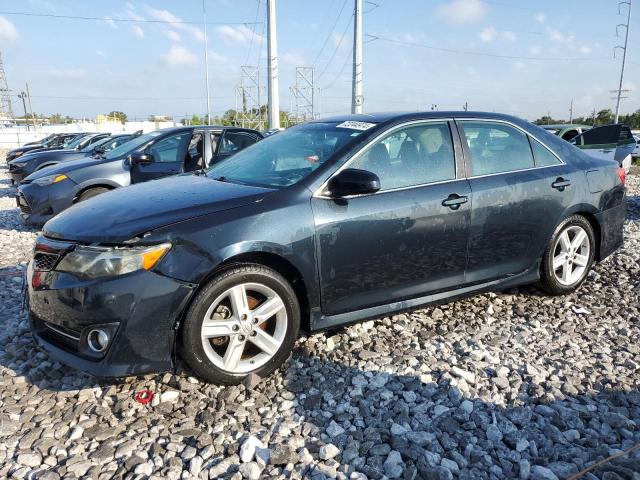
(90, 193)
(245, 320)
(568, 256)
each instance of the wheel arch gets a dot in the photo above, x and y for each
(84, 188)
(276, 262)
(589, 213)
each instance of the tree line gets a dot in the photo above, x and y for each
(603, 117)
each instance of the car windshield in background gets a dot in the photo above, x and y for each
(74, 143)
(89, 148)
(132, 145)
(288, 157)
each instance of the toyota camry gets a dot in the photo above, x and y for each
(321, 225)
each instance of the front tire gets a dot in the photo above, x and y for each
(245, 320)
(568, 257)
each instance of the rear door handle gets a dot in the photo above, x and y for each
(454, 201)
(560, 184)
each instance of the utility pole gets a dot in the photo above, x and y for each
(33, 118)
(356, 95)
(206, 61)
(6, 112)
(23, 96)
(624, 52)
(593, 118)
(466, 106)
(571, 112)
(272, 52)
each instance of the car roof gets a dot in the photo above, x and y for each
(383, 117)
(566, 125)
(206, 127)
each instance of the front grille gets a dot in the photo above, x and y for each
(12, 167)
(45, 261)
(23, 205)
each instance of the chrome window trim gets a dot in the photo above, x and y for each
(321, 188)
(491, 120)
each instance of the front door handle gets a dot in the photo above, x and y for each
(560, 184)
(454, 201)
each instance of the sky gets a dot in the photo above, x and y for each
(526, 58)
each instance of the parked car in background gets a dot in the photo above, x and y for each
(41, 141)
(614, 142)
(47, 192)
(26, 165)
(57, 141)
(323, 224)
(636, 151)
(566, 131)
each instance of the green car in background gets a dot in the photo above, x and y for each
(566, 131)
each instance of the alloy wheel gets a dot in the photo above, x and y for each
(244, 327)
(571, 255)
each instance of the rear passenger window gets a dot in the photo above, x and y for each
(496, 148)
(411, 156)
(542, 155)
(233, 142)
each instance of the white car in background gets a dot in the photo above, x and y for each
(636, 151)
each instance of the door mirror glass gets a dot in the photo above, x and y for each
(141, 158)
(353, 181)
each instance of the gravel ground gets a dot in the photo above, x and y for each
(506, 385)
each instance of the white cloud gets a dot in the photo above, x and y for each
(509, 36)
(216, 57)
(167, 16)
(337, 39)
(179, 55)
(99, 53)
(540, 17)
(109, 21)
(586, 49)
(238, 35)
(137, 31)
(173, 35)
(66, 72)
(8, 30)
(463, 11)
(293, 59)
(535, 50)
(558, 36)
(488, 34)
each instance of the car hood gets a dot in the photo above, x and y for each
(66, 167)
(124, 213)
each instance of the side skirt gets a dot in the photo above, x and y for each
(324, 322)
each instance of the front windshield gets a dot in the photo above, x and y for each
(75, 142)
(288, 157)
(132, 145)
(89, 148)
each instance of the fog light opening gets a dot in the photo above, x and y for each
(98, 340)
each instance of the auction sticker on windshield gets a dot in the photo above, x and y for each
(356, 125)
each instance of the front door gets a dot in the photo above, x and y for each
(406, 240)
(167, 158)
(232, 142)
(516, 198)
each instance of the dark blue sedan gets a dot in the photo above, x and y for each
(321, 225)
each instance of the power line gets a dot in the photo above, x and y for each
(61, 97)
(326, 40)
(253, 33)
(335, 50)
(127, 20)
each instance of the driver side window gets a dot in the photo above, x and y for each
(414, 155)
(169, 149)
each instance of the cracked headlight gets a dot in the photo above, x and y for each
(97, 262)
(50, 180)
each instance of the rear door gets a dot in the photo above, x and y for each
(168, 156)
(517, 198)
(233, 141)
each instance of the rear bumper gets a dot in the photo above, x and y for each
(611, 229)
(141, 308)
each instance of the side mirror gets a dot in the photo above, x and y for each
(353, 181)
(140, 158)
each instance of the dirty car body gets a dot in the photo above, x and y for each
(348, 257)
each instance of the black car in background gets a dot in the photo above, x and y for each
(56, 141)
(321, 225)
(94, 144)
(47, 192)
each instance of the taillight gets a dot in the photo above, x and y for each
(622, 175)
